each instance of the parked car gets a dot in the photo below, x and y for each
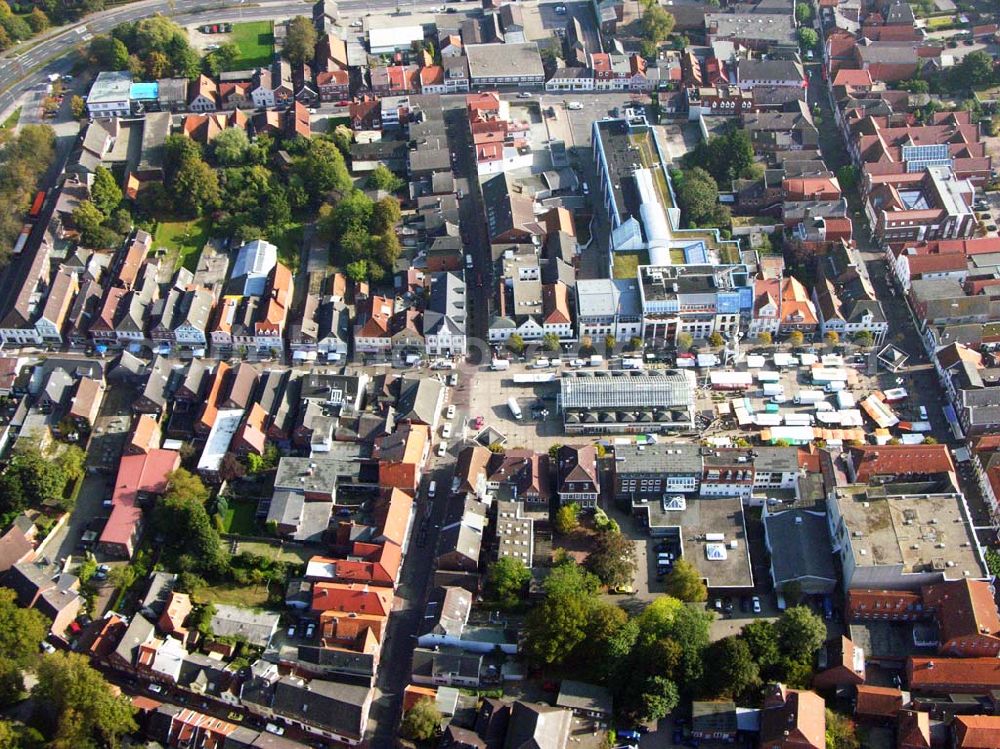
(451, 412)
(442, 449)
(756, 605)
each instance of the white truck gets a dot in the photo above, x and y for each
(809, 397)
(631, 363)
(773, 388)
(515, 410)
(500, 365)
(596, 360)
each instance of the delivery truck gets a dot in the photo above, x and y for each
(515, 410)
(809, 397)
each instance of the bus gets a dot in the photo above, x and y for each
(22, 239)
(36, 205)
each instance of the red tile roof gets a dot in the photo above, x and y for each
(964, 608)
(137, 474)
(848, 77)
(958, 675)
(352, 598)
(976, 731)
(902, 460)
(878, 702)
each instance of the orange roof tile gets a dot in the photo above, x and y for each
(977, 731)
(878, 701)
(351, 598)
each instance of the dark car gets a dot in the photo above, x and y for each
(744, 604)
(678, 736)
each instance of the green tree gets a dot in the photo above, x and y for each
(186, 485)
(550, 342)
(108, 53)
(803, 13)
(698, 196)
(975, 71)
(611, 635)
(832, 337)
(658, 699)
(730, 668)
(847, 176)
(685, 583)
(800, 633)
(609, 344)
(507, 579)
(656, 24)
(567, 518)
(556, 627)
(716, 339)
(864, 338)
(37, 20)
(840, 733)
(422, 722)
(221, 59)
(79, 702)
(383, 179)
(569, 579)
(321, 169)
(104, 192)
(90, 221)
(808, 38)
(765, 338)
(78, 106)
(684, 342)
(515, 343)
(796, 338)
(357, 271)
(21, 630)
(613, 559)
(343, 136)
(761, 637)
(231, 146)
(385, 215)
(11, 683)
(300, 41)
(196, 187)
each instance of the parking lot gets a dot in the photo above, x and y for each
(488, 398)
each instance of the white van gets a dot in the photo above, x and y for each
(432, 489)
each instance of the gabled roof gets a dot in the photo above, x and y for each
(352, 598)
(964, 608)
(976, 731)
(890, 460)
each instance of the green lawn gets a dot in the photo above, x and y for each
(240, 518)
(183, 240)
(11, 121)
(249, 596)
(256, 42)
(626, 264)
(289, 243)
(294, 554)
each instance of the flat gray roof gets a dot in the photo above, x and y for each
(729, 567)
(504, 60)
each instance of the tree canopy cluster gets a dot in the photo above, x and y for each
(23, 159)
(725, 157)
(649, 661)
(698, 196)
(187, 529)
(300, 41)
(102, 221)
(77, 706)
(655, 26)
(32, 478)
(155, 47)
(16, 28)
(364, 241)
